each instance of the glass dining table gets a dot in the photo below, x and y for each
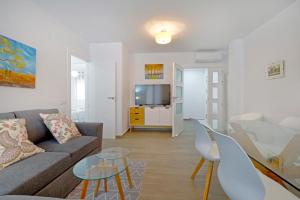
(273, 148)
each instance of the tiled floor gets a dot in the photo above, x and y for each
(169, 164)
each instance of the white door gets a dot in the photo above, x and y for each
(177, 100)
(215, 99)
(106, 97)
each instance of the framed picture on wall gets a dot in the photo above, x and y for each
(17, 63)
(275, 70)
(154, 71)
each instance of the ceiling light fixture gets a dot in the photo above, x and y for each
(163, 37)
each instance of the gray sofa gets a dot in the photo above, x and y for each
(48, 174)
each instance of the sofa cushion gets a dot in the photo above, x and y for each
(37, 131)
(7, 116)
(14, 143)
(76, 147)
(30, 175)
(61, 126)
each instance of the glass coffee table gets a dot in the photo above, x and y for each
(108, 163)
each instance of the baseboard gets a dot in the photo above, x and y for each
(121, 134)
(153, 128)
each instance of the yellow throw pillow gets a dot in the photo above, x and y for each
(61, 127)
(14, 143)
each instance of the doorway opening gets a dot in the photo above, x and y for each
(79, 77)
(204, 96)
(195, 95)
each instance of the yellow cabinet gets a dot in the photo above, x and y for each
(137, 116)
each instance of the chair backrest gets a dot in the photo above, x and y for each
(236, 172)
(203, 141)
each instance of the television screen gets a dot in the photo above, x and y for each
(152, 94)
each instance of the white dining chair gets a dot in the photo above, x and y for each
(208, 150)
(240, 179)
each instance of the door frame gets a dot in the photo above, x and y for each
(223, 91)
(69, 85)
(176, 99)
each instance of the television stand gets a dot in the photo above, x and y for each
(150, 116)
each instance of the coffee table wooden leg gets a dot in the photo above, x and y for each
(128, 173)
(85, 185)
(120, 188)
(105, 185)
(129, 177)
(97, 187)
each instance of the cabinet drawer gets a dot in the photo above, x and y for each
(135, 121)
(137, 116)
(137, 111)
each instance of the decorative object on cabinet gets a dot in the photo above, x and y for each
(154, 71)
(17, 63)
(275, 70)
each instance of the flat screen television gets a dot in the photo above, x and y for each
(159, 94)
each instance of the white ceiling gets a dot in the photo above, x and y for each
(209, 24)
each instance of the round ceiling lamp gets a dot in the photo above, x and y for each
(163, 37)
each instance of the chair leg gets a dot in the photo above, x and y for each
(199, 165)
(208, 179)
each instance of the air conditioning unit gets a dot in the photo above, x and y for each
(208, 56)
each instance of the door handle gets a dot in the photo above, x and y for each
(112, 98)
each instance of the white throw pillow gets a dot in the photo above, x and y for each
(61, 127)
(14, 143)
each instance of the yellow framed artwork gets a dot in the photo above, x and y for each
(17, 63)
(154, 71)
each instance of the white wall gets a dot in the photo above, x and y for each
(195, 93)
(138, 61)
(125, 91)
(235, 78)
(276, 40)
(27, 23)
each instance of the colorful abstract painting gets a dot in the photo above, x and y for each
(154, 71)
(17, 63)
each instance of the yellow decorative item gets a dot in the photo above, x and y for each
(154, 71)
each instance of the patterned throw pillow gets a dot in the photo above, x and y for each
(61, 127)
(14, 143)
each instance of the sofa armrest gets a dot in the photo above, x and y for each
(90, 129)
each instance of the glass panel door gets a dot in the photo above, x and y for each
(215, 100)
(177, 100)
